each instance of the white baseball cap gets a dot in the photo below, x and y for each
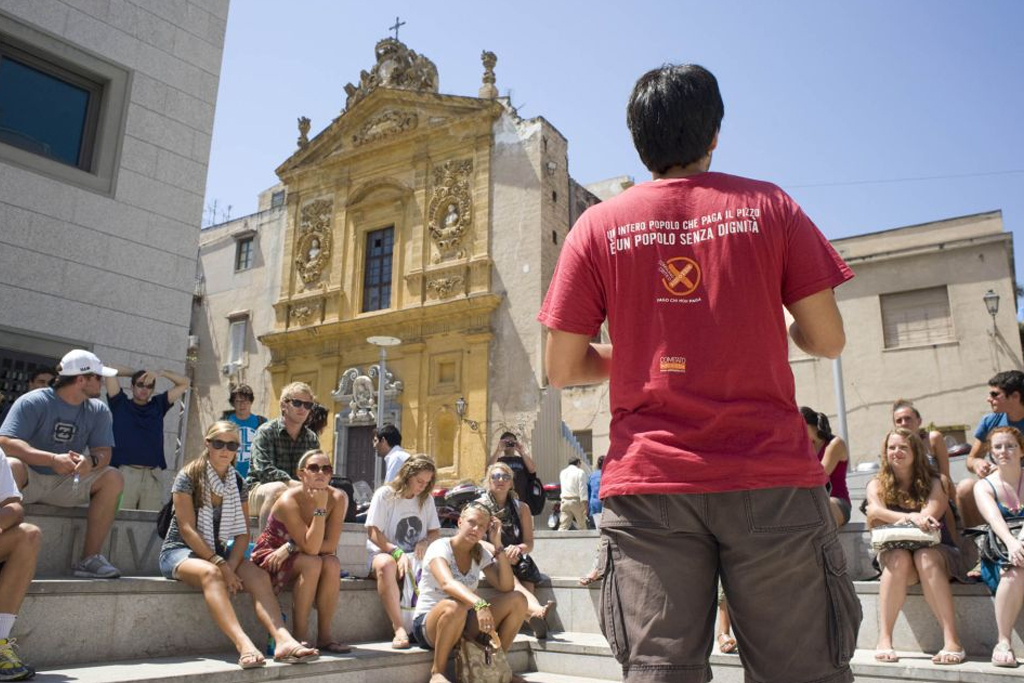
(82, 362)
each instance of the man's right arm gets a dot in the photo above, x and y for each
(572, 359)
(262, 466)
(817, 326)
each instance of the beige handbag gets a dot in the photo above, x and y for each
(482, 661)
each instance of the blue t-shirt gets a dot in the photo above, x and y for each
(46, 421)
(594, 488)
(993, 420)
(247, 430)
(139, 430)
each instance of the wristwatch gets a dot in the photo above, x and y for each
(292, 548)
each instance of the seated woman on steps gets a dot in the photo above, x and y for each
(999, 497)
(450, 607)
(400, 524)
(907, 489)
(210, 511)
(299, 544)
(517, 537)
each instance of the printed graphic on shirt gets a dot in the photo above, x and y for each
(408, 531)
(672, 364)
(711, 226)
(64, 432)
(680, 275)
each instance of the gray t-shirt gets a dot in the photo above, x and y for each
(47, 422)
(182, 484)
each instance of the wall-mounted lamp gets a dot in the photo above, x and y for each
(991, 300)
(460, 410)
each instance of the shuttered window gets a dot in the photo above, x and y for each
(916, 318)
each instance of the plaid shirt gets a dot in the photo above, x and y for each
(275, 455)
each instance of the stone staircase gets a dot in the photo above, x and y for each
(143, 627)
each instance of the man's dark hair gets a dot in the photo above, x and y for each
(136, 375)
(673, 115)
(506, 435)
(600, 462)
(901, 403)
(389, 432)
(316, 421)
(243, 390)
(41, 371)
(1009, 381)
(574, 460)
(62, 381)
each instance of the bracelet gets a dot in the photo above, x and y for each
(480, 604)
(95, 460)
(397, 553)
(320, 512)
(217, 560)
(292, 548)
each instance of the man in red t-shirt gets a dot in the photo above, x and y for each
(710, 472)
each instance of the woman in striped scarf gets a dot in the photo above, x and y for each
(206, 543)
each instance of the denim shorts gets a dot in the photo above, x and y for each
(170, 560)
(419, 631)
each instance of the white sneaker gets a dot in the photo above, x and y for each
(95, 567)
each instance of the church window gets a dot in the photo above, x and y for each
(277, 199)
(377, 271)
(918, 317)
(243, 254)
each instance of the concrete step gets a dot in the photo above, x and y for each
(371, 662)
(585, 656)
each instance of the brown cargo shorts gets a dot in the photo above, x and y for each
(793, 607)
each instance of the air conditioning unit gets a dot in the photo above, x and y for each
(227, 369)
(193, 341)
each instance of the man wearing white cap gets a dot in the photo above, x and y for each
(45, 436)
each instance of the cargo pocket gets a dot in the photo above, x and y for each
(613, 624)
(844, 610)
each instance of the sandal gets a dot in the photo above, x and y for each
(300, 654)
(949, 657)
(1002, 655)
(334, 647)
(888, 656)
(251, 660)
(726, 643)
(590, 578)
(400, 642)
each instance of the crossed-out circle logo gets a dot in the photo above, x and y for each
(680, 275)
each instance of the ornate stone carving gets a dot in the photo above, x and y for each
(397, 67)
(450, 210)
(313, 242)
(488, 91)
(445, 285)
(303, 314)
(358, 390)
(386, 125)
(303, 140)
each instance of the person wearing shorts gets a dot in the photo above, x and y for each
(709, 471)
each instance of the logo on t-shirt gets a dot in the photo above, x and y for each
(408, 532)
(679, 275)
(672, 364)
(64, 432)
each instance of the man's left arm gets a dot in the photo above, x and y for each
(572, 359)
(181, 385)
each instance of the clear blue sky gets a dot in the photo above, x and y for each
(872, 114)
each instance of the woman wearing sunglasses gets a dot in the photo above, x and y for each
(298, 546)
(517, 539)
(400, 524)
(211, 513)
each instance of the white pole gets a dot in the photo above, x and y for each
(837, 378)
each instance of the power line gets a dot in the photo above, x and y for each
(906, 180)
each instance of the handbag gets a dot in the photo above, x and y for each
(902, 536)
(482, 661)
(526, 570)
(990, 546)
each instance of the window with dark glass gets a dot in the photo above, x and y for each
(377, 273)
(277, 199)
(243, 254)
(46, 109)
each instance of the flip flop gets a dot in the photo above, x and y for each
(726, 643)
(949, 657)
(335, 647)
(400, 643)
(888, 656)
(1002, 655)
(251, 660)
(588, 579)
(300, 654)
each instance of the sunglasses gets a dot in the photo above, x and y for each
(317, 469)
(308, 405)
(146, 386)
(995, 394)
(501, 476)
(218, 445)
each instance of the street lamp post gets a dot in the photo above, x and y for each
(383, 342)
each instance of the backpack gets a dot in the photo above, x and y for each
(163, 518)
(535, 498)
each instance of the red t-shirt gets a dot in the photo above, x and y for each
(692, 274)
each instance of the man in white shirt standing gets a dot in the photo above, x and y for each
(574, 496)
(387, 441)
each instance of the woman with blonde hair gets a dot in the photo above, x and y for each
(211, 513)
(517, 539)
(400, 524)
(908, 490)
(299, 545)
(999, 498)
(449, 606)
